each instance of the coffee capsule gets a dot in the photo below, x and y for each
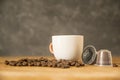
(89, 55)
(104, 58)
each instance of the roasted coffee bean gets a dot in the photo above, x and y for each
(65, 66)
(49, 63)
(59, 64)
(68, 63)
(38, 63)
(46, 60)
(6, 62)
(54, 64)
(36, 60)
(115, 65)
(77, 65)
(12, 63)
(73, 63)
(31, 64)
(19, 64)
(82, 64)
(35, 63)
(42, 59)
(43, 63)
(24, 63)
(54, 61)
(24, 59)
(64, 61)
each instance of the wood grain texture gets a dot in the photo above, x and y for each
(45, 73)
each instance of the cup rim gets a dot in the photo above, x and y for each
(67, 36)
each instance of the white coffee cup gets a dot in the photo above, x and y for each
(68, 47)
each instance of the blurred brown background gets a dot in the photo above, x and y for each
(26, 26)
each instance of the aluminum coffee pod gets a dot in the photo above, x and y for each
(89, 55)
(104, 58)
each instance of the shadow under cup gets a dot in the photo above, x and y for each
(68, 47)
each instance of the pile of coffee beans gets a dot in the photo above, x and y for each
(44, 62)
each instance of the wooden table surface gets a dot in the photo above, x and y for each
(46, 73)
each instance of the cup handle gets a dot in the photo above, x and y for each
(51, 48)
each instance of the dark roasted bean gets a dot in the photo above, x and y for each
(12, 63)
(59, 64)
(72, 63)
(43, 63)
(19, 64)
(38, 64)
(115, 65)
(31, 64)
(66, 66)
(49, 64)
(77, 65)
(6, 62)
(54, 65)
(82, 64)
(24, 59)
(24, 63)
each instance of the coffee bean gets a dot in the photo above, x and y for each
(115, 65)
(12, 63)
(35, 63)
(31, 64)
(82, 64)
(77, 65)
(42, 59)
(49, 63)
(54, 64)
(19, 64)
(29, 60)
(38, 63)
(59, 64)
(65, 66)
(36, 60)
(43, 63)
(24, 59)
(24, 63)
(54, 61)
(73, 63)
(67, 63)
(6, 62)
